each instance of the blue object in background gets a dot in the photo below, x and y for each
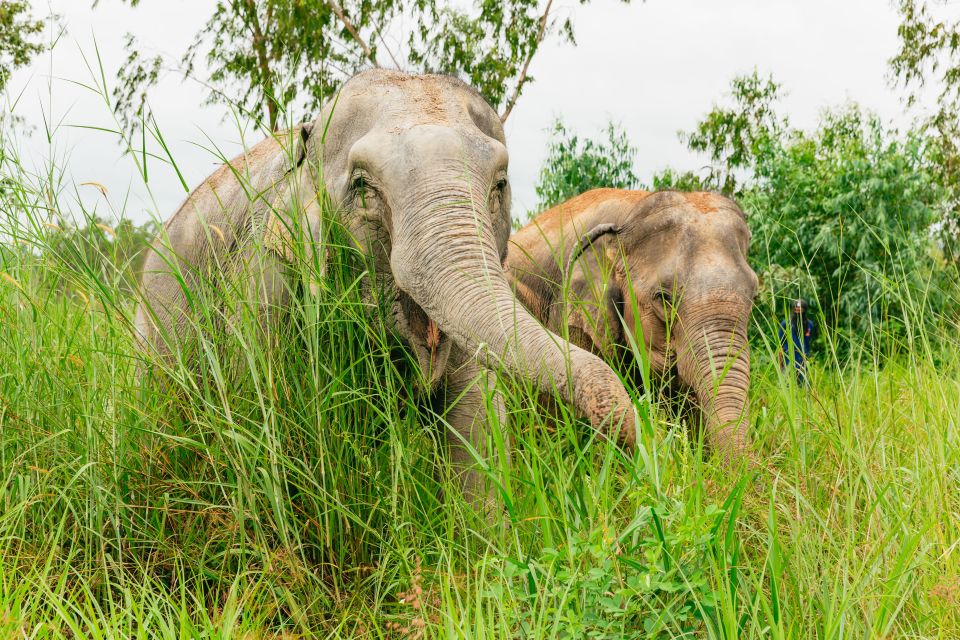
(797, 348)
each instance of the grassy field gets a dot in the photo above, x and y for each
(301, 490)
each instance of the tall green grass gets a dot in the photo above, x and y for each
(302, 490)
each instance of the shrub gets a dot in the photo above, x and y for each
(575, 164)
(838, 214)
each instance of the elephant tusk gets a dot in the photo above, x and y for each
(433, 340)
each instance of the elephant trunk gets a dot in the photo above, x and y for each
(445, 256)
(714, 360)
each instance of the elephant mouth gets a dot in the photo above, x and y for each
(431, 346)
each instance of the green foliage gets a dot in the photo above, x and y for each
(837, 213)
(929, 56)
(491, 47)
(681, 181)
(266, 56)
(736, 137)
(929, 53)
(841, 213)
(293, 482)
(650, 580)
(18, 33)
(109, 254)
(574, 165)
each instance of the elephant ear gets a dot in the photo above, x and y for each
(592, 307)
(292, 221)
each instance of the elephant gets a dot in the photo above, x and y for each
(660, 274)
(415, 169)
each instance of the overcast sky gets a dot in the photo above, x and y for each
(654, 67)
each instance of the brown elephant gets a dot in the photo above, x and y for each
(416, 168)
(665, 271)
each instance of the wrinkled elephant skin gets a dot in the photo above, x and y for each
(664, 270)
(417, 168)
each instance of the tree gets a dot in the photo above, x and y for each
(681, 181)
(841, 214)
(18, 32)
(264, 55)
(574, 165)
(930, 55)
(267, 54)
(734, 137)
(491, 47)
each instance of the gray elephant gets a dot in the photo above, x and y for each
(665, 271)
(416, 167)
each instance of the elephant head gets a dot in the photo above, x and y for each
(663, 272)
(417, 167)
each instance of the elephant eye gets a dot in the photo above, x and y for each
(363, 193)
(496, 194)
(663, 297)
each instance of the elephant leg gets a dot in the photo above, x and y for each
(473, 408)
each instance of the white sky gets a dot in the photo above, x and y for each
(655, 67)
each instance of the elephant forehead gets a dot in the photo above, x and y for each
(405, 100)
(400, 153)
(426, 92)
(691, 228)
(584, 210)
(706, 202)
(722, 232)
(679, 242)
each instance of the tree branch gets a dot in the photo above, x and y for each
(367, 51)
(526, 65)
(263, 63)
(386, 46)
